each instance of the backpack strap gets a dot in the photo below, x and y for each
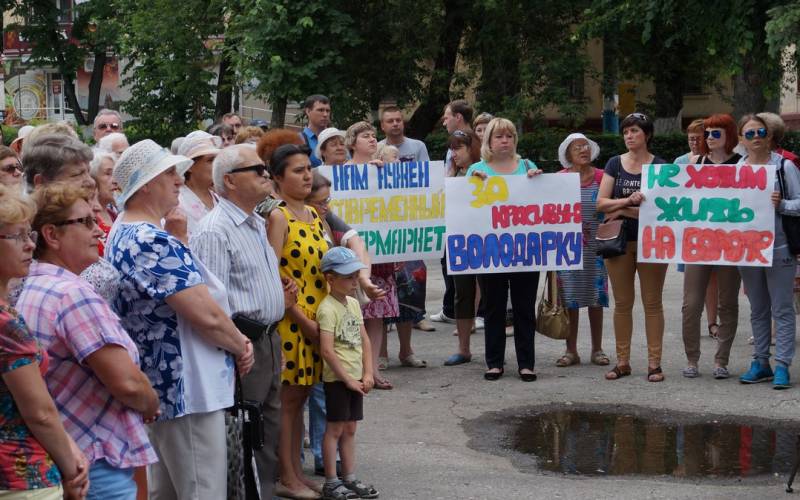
(782, 179)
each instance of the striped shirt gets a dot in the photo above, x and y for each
(71, 321)
(233, 245)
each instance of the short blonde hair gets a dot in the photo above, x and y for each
(248, 133)
(385, 150)
(15, 207)
(52, 203)
(352, 134)
(494, 126)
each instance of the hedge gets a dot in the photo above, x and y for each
(542, 146)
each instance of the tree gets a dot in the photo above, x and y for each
(170, 52)
(783, 34)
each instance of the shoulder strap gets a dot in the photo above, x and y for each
(782, 179)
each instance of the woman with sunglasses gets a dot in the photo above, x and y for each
(10, 168)
(770, 289)
(36, 452)
(102, 395)
(619, 198)
(712, 285)
(295, 233)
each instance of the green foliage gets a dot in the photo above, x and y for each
(170, 63)
(783, 31)
(9, 134)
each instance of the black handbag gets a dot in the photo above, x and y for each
(612, 236)
(790, 223)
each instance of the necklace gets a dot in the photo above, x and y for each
(298, 216)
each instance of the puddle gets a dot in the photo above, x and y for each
(591, 441)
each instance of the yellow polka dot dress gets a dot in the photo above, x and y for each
(300, 261)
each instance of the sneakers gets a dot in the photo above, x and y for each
(441, 317)
(758, 373)
(479, 325)
(781, 380)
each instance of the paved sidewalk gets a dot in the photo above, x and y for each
(412, 443)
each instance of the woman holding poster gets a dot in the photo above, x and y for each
(721, 137)
(587, 287)
(499, 157)
(770, 289)
(620, 197)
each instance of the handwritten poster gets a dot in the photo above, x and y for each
(707, 214)
(398, 209)
(513, 224)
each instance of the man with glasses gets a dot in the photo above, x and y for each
(232, 242)
(10, 168)
(318, 112)
(106, 122)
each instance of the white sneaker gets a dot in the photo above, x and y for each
(478, 323)
(441, 317)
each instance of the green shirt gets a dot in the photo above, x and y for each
(344, 322)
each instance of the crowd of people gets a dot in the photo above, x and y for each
(145, 291)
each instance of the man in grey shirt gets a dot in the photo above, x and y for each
(231, 240)
(393, 126)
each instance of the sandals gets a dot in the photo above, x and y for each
(361, 489)
(338, 492)
(383, 363)
(383, 384)
(720, 373)
(655, 374)
(600, 358)
(618, 372)
(412, 361)
(691, 371)
(713, 330)
(568, 359)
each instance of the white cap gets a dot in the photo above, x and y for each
(140, 164)
(324, 136)
(562, 149)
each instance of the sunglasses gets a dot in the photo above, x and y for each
(10, 169)
(112, 126)
(21, 237)
(638, 116)
(323, 203)
(751, 134)
(462, 135)
(89, 221)
(714, 134)
(258, 169)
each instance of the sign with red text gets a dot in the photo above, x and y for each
(707, 214)
(397, 209)
(513, 223)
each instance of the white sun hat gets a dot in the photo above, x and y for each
(200, 143)
(141, 163)
(22, 133)
(562, 149)
(324, 136)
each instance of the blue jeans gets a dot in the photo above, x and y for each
(316, 421)
(109, 483)
(771, 294)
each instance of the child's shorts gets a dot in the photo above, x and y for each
(342, 404)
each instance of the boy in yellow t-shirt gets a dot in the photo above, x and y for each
(347, 372)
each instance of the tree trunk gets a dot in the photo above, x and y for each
(96, 84)
(500, 59)
(278, 113)
(437, 96)
(670, 86)
(72, 98)
(224, 102)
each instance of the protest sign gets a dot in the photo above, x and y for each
(513, 223)
(707, 214)
(398, 209)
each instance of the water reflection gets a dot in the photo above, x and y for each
(591, 443)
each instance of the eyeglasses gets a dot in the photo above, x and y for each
(323, 203)
(9, 169)
(581, 147)
(21, 237)
(258, 169)
(112, 126)
(638, 116)
(715, 134)
(750, 134)
(89, 221)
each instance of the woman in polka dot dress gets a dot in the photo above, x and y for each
(295, 233)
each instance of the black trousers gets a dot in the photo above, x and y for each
(495, 289)
(449, 298)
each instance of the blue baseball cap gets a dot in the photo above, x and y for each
(342, 261)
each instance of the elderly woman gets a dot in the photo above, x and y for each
(56, 157)
(37, 453)
(197, 195)
(465, 150)
(10, 168)
(101, 394)
(620, 197)
(162, 286)
(249, 135)
(330, 147)
(499, 157)
(694, 135)
(587, 287)
(712, 284)
(100, 168)
(296, 234)
(770, 289)
(115, 143)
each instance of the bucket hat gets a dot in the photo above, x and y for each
(562, 149)
(324, 136)
(141, 163)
